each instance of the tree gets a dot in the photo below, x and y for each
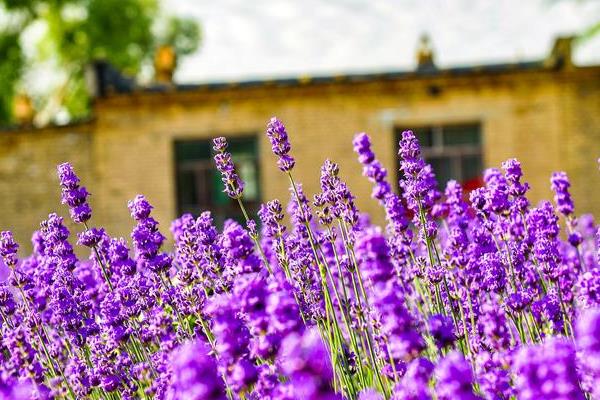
(11, 67)
(76, 32)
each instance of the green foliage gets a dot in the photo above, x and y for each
(183, 34)
(11, 66)
(116, 30)
(80, 31)
(591, 31)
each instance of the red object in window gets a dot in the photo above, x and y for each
(472, 184)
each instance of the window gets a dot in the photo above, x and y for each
(199, 186)
(454, 152)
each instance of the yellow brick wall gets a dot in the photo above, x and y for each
(581, 148)
(548, 120)
(29, 188)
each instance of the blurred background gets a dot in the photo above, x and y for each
(132, 91)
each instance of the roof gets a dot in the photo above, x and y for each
(107, 80)
(110, 81)
(104, 80)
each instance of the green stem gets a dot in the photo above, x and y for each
(363, 292)
(254, 238)
(329, 310)
(345, 313)
(102, 266)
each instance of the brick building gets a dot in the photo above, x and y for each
(155, 140)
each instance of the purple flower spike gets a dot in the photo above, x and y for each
(280, 144)
(195, 374)
(414, 383)
(397, 324)
(503, 304)
(91, 237)
(419, 183)
(372, 168)
(306, 361)
(588, 340)
(8, 249)
(516, 188)
(271, 215)
(139, 207)
(442, 330)
(146, 237)
(234, 186)
(220, 144)
(547, 371)
(454, 378)
(362, 146)
(562, 197)
(73, 195)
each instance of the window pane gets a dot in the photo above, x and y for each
(199, 185)
(204, 185)
(425, 136)
(453, 152)
(248, 173)
(192, 150)
(219, 197)
(471, 170)
(186, 190)
(242, 145)
(443, 169)
(456, 135)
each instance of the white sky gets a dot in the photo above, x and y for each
(265, 38)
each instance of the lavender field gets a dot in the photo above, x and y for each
(477, 295)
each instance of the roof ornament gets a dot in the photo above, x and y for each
(165, 62)
(561, 55)
(425, 56)
(23, 109)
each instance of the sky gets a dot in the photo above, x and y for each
(245, 39)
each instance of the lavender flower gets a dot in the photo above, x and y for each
(234, 186)
(397, 331)
(419, 184)
(457, 206)
(8, 249)
(562, 197)
(493, 377)
(337, 194)
(232, 342)
(516, 188)
(91, 237)
(372, 168)
(349, 310)
(73, 195)
(588, 341)
(194, 374)
(146, 236)
(442, 330)
(12, 388)
(497, 200)
(271, 216)
(415, 382)
(547, 371)
(280, 144)
(454, 378)
(362, 146)
(494, 326)
(306, 362)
